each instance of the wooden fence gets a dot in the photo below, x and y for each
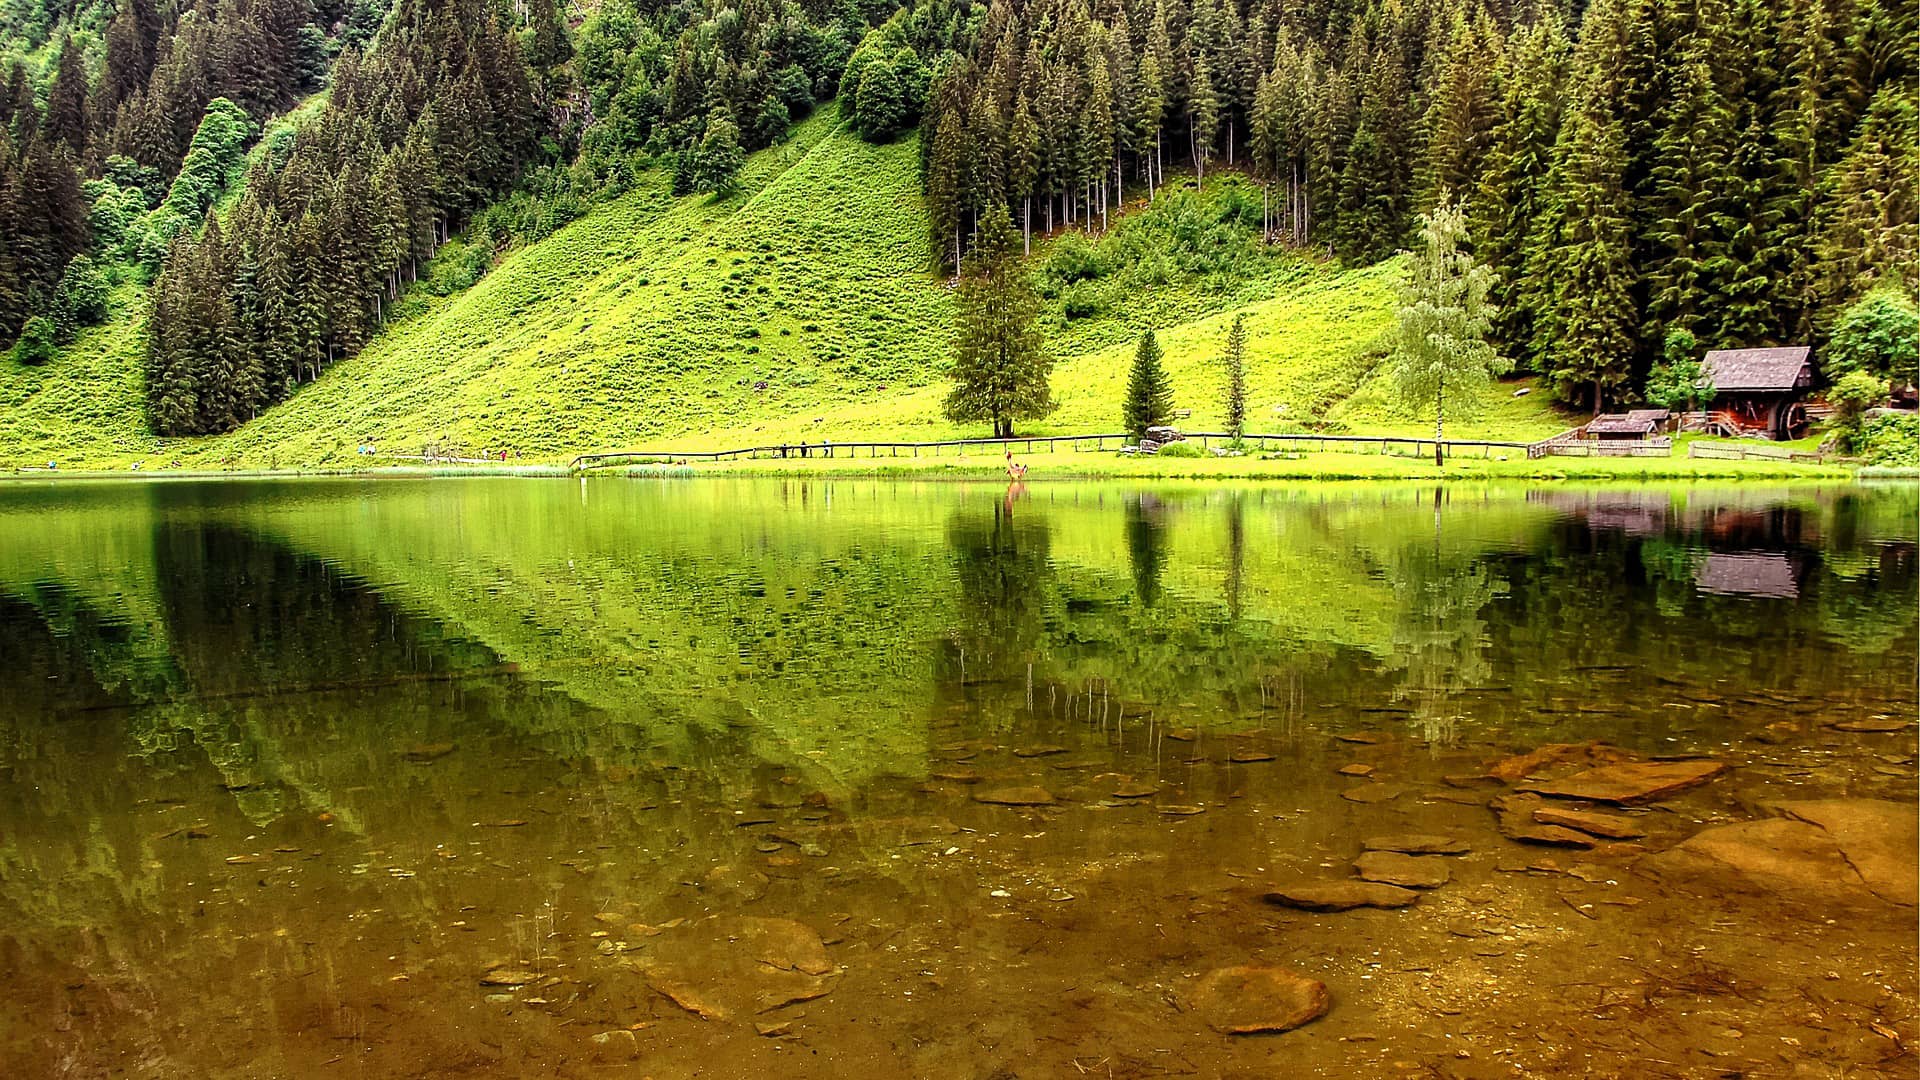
(1761, 452)
(1028, 444)
(1603, 448)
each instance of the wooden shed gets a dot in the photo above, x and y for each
(1635, 425)
(1757, 392)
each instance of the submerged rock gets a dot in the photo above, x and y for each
(1406, 871)
(1417, 844)
(1610, 826)
(1135, 789)
(1373, 793)
(1340, 895)
(1355, 769)
(1015, 796)
(1777, 856)
(785, 945)
(1245, 757)
(1879, 839)
(742, 966)
(1631, 784)
(1513, 815)
(1252, 1000)
(1520, 766)
(1886, 725)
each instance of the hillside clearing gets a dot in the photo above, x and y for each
(798, 308)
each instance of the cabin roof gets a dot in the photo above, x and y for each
(1781, 369)
(1637, 422)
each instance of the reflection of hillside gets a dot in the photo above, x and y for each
(819, 627)
(84, 558)
(811, 647)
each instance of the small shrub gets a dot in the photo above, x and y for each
(1082, 300)
(1891, 440)
(37, 341)
(1181, 450)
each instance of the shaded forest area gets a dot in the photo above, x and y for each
(1733, 170)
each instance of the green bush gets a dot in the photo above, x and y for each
(1879, 334)
(37, 343)
(1073, 258)
(1892, 440)
(1082, 300)
(80, 300)
(1182, 450)
(1851, 397)
(217, 150)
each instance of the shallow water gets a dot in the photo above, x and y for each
(482, 777)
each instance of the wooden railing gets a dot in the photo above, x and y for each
(1762, 452)
(1661, 447)
(1380, 444)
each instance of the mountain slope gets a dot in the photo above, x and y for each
(800, 307)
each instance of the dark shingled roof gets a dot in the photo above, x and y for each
(1622, 424)
(1760, 369)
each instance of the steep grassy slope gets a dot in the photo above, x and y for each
(86, 407)
(798, 308)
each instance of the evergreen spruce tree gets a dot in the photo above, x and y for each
(1233, 362)
(1867, 229)
(1149, 401)
(1580, 261)
(1509, 203)
(1001, 366)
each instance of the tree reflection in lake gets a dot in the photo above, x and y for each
(263, 738)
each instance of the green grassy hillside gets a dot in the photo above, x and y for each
(799, 307)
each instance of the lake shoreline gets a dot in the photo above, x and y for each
(1077, 467)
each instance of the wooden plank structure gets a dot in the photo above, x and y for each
(1636, 425)
(1756, 392)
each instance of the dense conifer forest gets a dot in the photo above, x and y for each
(1635, 172)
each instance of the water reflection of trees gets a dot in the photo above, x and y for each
(826, 636)
(1439, 635)
(1146, 545)
(1001, 564)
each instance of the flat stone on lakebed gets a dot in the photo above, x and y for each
(1876, 726)
(1610, 826)
(1340, 895)
(1632, 783)
(1015, 796)
(1417, 844)
(1406, 871)
(1256, 1000)
(1373, 793)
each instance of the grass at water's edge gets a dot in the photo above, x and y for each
(1097, 466)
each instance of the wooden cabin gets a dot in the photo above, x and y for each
(1634, 426)
(1757, 392)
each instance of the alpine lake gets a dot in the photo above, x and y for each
(661, 777)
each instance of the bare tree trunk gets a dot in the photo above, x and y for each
(1439, 421)
(1026, 222)
(1229, 141)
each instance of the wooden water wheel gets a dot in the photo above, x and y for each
(1793, 421)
